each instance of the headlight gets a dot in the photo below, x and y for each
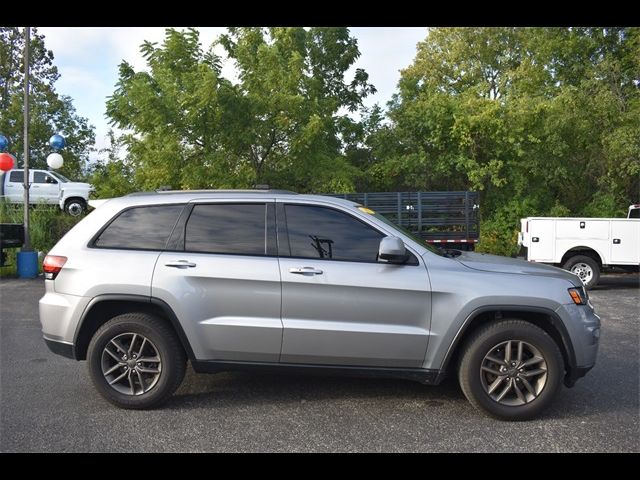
(579, 295)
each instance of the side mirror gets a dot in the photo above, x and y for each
(392, 250)
(48, 179)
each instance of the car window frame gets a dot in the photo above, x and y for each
(284, 244)
(92, 242)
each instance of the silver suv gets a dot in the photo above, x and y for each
(262, 279)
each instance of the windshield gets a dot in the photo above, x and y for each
(411, 235)
(60, 177)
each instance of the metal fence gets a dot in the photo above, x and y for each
(435, 216)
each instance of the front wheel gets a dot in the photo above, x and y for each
(584, 267)
(511, 369)
(136, 361)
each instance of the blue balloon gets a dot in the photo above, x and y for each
(56, 142)
(4, 143)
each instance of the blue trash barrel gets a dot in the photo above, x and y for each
(27, 264)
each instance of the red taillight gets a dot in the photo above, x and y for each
(52, 265)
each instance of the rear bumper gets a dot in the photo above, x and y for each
(60, 314)
(60, 348)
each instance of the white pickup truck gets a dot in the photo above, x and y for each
(46, 187)
(584, 246)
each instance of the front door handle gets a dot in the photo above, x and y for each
(305, 271)
(180, 264)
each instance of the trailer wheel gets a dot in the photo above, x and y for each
(584, 267)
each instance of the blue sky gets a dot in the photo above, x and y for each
(88, 59)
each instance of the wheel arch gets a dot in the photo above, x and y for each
(582, 250)
(542, 317)
(75, 197)
(104, 307)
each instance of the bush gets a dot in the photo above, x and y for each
(48, 224)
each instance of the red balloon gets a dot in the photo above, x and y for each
(6, 161)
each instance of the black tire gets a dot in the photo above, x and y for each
(576, 261)
(161, 337)
(75, 206)
(470, 373)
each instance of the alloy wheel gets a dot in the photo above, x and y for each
(131, 364)
(513, 373)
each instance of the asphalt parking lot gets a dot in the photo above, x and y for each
(48, 403)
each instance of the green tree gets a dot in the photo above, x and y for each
(282, 122)
(540, 120)
(49, 112)
(112, 174)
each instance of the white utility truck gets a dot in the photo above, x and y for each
(46, 187)
(584, 246)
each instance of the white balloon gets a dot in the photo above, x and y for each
(54, 160)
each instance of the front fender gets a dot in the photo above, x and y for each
(459, 293)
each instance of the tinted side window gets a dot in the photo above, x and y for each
(39, 177)
(320, 232)
(227, 228)
(635, 213)
(16, 177)
(140, 228)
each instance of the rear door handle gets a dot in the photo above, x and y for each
(305, 271)
(180, 264)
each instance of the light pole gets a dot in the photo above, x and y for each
(27, 237)
(27, 260)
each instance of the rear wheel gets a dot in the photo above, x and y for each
(584, 267)
(75, 207)
(136, 361)
(511, 369)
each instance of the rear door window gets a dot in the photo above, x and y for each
(140, 228)
(16, 177)
(238, 229)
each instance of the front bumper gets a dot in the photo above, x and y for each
(574, 374)
(583, 326)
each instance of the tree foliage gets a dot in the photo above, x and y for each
(281, 122)
(112, 174)
(541, 120)
(49, 112)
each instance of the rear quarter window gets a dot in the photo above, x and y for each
(140, 228)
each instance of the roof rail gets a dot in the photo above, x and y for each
(169, 192)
